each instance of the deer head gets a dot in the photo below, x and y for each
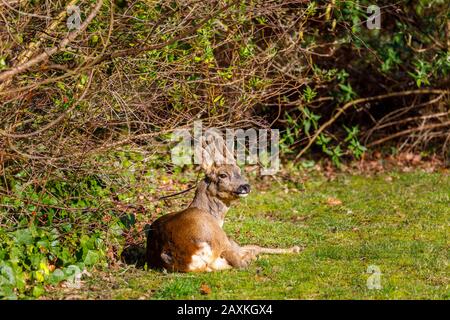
(223, 182)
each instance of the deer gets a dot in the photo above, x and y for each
(192, 240)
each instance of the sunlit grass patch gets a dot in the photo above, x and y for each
(399, 225)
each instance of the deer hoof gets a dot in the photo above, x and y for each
(295, 249)
(248, 257)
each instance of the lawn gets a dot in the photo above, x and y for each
(395, 222)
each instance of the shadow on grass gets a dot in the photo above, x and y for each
(134, 254)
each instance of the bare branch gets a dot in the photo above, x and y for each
(49, 52)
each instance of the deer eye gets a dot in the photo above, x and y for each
(223, 176)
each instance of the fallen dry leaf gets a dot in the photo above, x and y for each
(205, 289)
(334, 202)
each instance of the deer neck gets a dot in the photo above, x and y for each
(205, 199)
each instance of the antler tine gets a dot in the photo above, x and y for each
(210, 145)
(228, 154)
(203, 155)
(222, 154)
(213, 150)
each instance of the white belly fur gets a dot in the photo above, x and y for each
(219, 264)
(203, 260)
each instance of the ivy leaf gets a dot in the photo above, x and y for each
(23, 236)
(38, 291)
(92, 257)
(57, 276)
(7, 275)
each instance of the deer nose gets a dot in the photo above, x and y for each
(243, 188)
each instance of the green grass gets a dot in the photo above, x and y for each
(399, 224)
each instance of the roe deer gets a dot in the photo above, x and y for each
(193, 239)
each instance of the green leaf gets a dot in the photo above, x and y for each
(7, 292)
(7, 274)
(57, 276)
(92, 257)
(23, 236)
(2, 63)
(307, 126)
(38, 291)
